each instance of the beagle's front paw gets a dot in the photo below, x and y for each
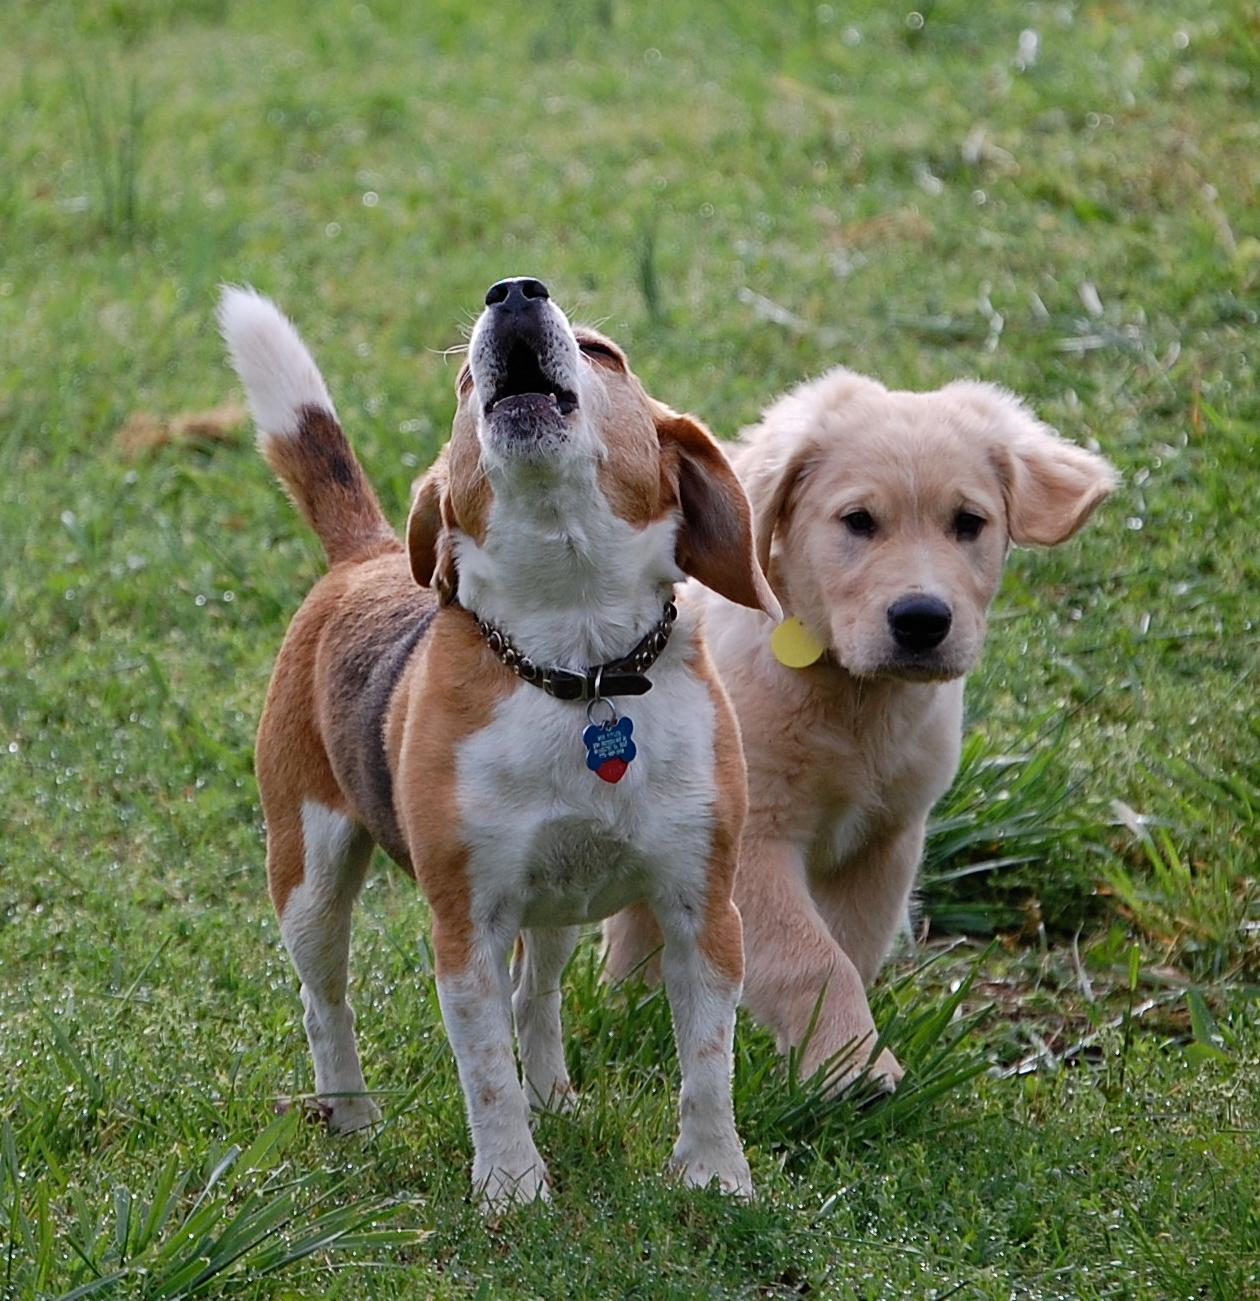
(508, 1179)
(559, 1096)
(698, 1167)
(353, 1115)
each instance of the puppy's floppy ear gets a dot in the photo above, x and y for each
(715, 539)
(1050, 486)
(428, 533)
(770, 485)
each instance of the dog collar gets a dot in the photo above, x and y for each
(626, 676)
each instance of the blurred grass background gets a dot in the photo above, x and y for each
(1060, 197)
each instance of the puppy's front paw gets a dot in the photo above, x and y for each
(886, 1071)
(883, 1071)
(699, 1167)
(510, 1179)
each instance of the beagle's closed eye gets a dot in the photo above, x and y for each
(602, 353)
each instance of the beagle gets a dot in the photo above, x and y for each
(512, 706)
(883, 519)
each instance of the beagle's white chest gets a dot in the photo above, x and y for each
(552, 843)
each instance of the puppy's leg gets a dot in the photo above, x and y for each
(632, 942)
(799, 982)
(864, 904)
(703, 966)
(472, 981)
(541, 958)
(315, 867)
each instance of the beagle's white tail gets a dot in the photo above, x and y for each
(298, 431)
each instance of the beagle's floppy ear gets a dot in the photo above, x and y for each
(428, 533)
(1050, 486)
(715, 540)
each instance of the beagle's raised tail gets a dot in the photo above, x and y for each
(298, 431)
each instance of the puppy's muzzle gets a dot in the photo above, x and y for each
(919, 623)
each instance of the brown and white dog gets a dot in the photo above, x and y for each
(419, 703)
(883, 520)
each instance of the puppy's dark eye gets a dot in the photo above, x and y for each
(861, 522)
(967, 526)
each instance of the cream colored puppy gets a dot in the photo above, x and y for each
(883, 520)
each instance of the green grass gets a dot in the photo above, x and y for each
(743, 194)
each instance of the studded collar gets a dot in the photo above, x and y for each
(626, 676)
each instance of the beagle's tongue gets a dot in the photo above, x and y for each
(525, 388)
(526, 403)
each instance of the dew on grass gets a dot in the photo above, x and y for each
(927, 179)
(371, 199)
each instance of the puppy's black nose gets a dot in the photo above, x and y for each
(516, 295)
(919, 623)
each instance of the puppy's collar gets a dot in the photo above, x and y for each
(626, 676)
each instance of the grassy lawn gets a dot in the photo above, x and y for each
(1061, 197)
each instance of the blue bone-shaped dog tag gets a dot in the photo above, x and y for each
(609, 749)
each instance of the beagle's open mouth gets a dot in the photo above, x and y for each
(525, 388)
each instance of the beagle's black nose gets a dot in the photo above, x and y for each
(516, 295)
(918, 622)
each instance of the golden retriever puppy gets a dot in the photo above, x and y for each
(882, 519)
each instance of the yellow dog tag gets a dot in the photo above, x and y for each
(794, 646)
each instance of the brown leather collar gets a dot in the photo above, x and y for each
(626, 676)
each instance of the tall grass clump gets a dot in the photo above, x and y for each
(1187, 873)
(1006, 815)
(243, 1216)
(113, 138)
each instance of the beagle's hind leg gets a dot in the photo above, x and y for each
(316, 862)
(541, 957)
